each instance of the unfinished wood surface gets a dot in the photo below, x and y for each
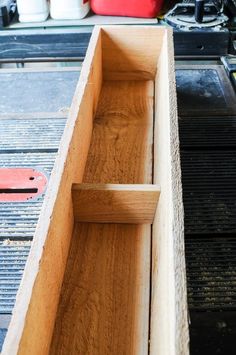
(104, 300)
(104, 305)
(33, 318)
(121, 148)
(131, 53)
(169, 321)
(115, 203)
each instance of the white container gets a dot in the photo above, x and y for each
(32, 10)
(69, 9)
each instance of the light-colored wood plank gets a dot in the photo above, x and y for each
(131, 52)
(104, 305)
(33, 318)
(169, 323)
(115, 203)
(121, 148)
(105, 294)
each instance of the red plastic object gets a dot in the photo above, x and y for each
(132, 8)
(21, 184)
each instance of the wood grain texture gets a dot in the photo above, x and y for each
(169, 321)
(104, 300)
(33, 318)
(121, 148)
(131, 52)
(104, 305)
(115, 203)
(105, 292)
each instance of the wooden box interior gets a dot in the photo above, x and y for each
(106, 270)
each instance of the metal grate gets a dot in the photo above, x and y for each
(18, 220)
(13, 256)
(208, 160)
(211, 273)
(209, 191)
(31, 141)
(204, 133)
(30, 135)
(24, 143)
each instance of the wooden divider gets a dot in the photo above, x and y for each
(115, 203)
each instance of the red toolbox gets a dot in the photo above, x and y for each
(133, 8)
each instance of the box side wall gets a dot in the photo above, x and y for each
(169, 327)
(131, 52)
(37, 300)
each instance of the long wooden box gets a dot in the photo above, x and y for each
(106, 271)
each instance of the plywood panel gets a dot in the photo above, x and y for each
(104, 305)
